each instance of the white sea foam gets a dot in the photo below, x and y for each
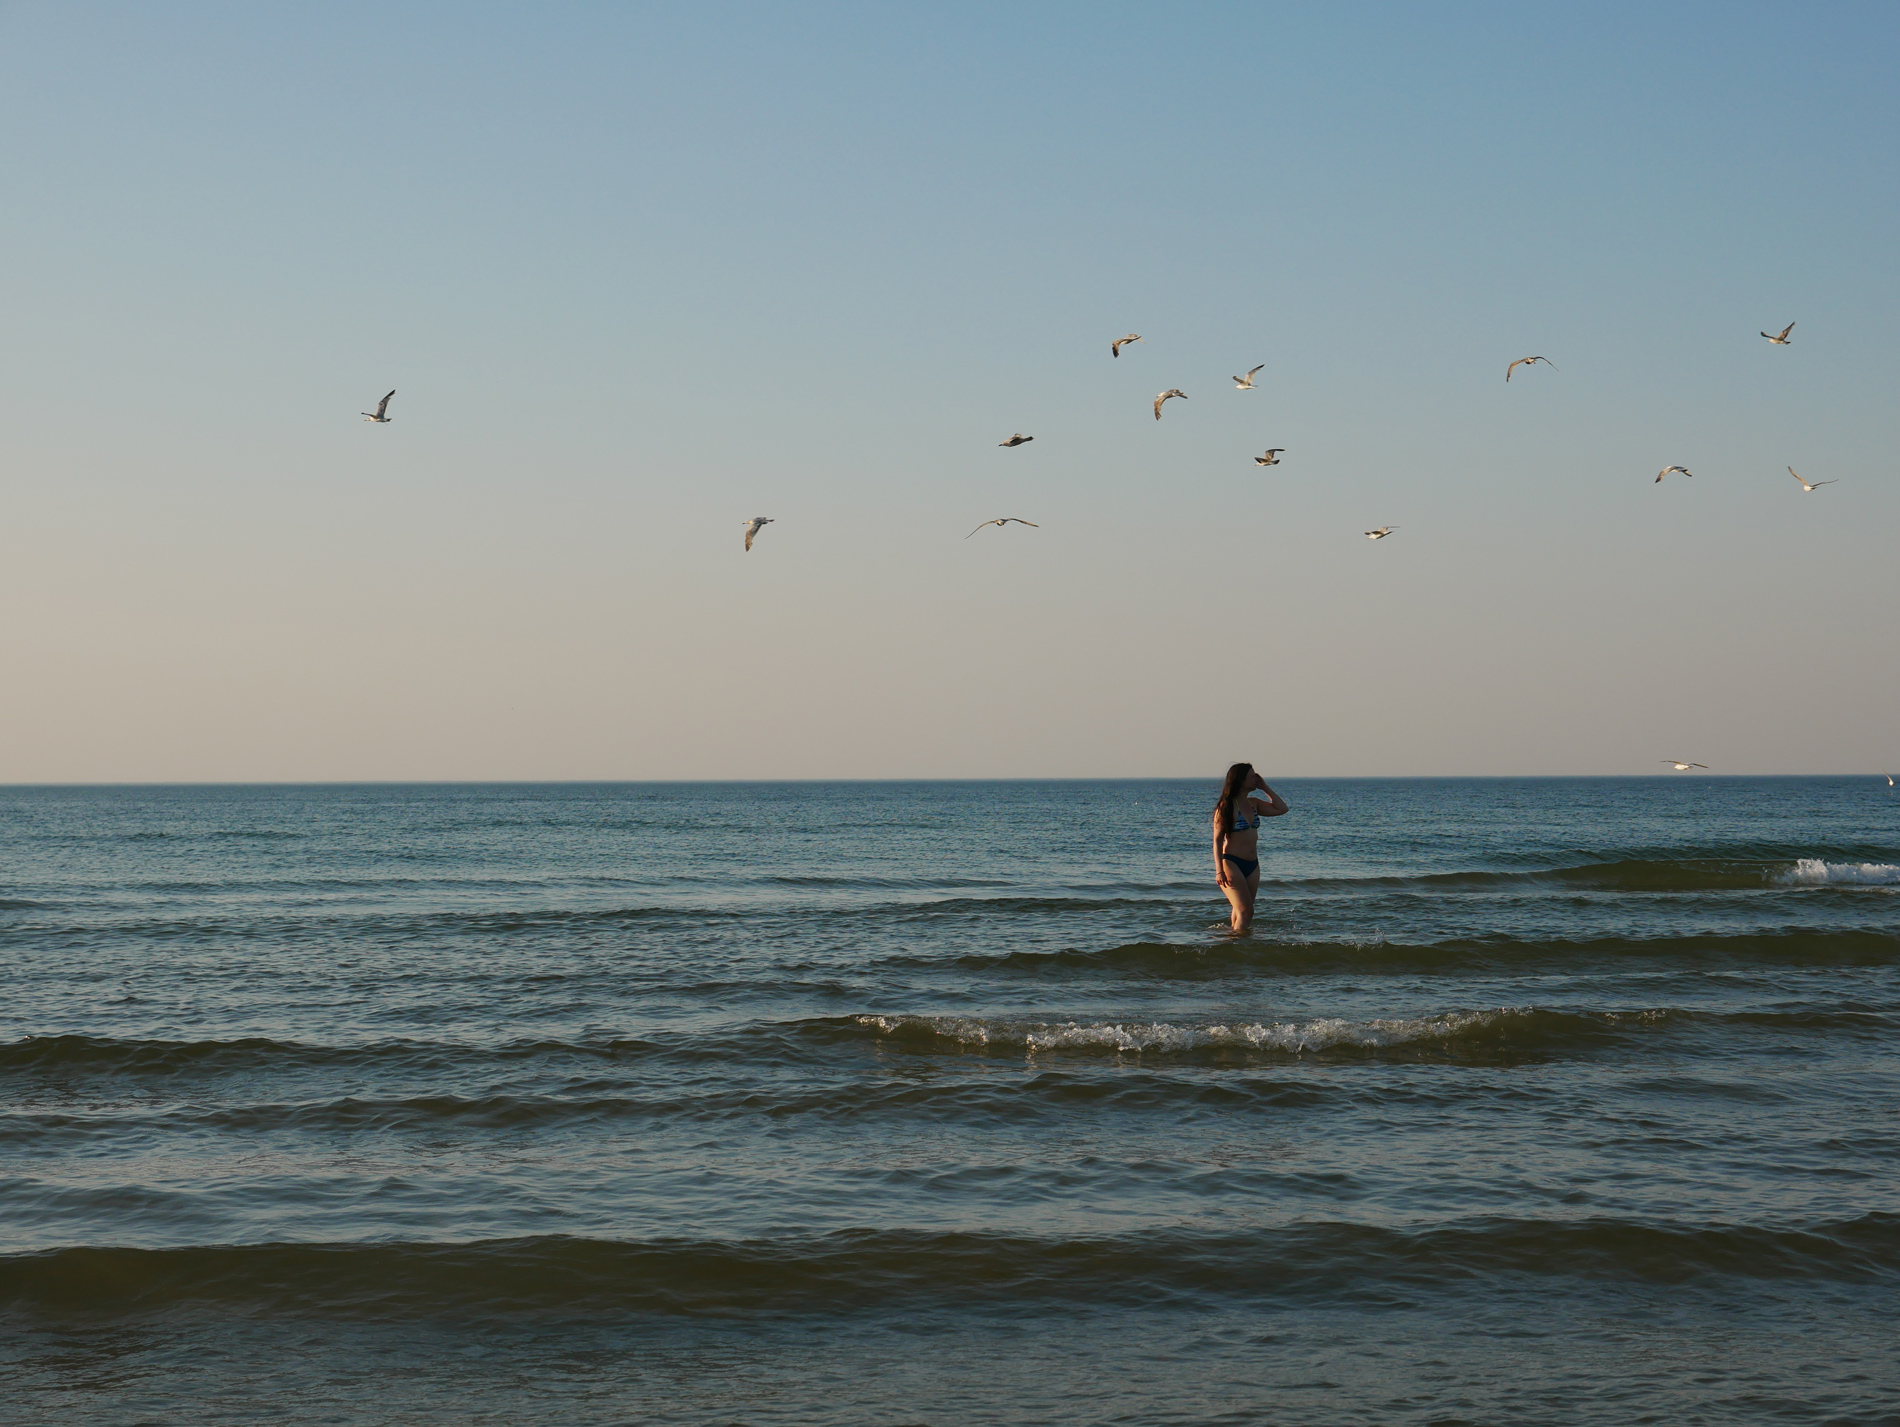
(1813, 872)
(1136, 1036)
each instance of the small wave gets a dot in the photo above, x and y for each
(1262, 955)
(1817, 872)
(18, 904)
(110, 1055)
(883, 1270)
(1459, 1034)
(1642, 874)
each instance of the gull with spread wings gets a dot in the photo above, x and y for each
(381, 413)
(1003, 520)
(1381, 532)
(1673, 470)
(1115, 347)
(1681, 767)
(1808, 485)
(1782, 340)
(1526, 361)
(1171, 391)
(754, 526)
(1272, 458)
(1246, 383)
(1017, 440)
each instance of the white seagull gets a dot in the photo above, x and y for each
(1003, 520)
(1115, 347)
(1667, 470)
(382, 408)
(753, 527)
(1272, 458)
(1525, 361)
(1889, 778)
(1171, 391)
(1017, 440)
(1682, 767)
(1381, 532)
(1808, 485)
(1782, 340)
(1246, 383)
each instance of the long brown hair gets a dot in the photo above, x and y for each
(1237, 777)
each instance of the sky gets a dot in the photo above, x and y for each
(637, 273)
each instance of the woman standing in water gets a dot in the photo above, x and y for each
(1237, 838)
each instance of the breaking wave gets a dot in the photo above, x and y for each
(883, 1270)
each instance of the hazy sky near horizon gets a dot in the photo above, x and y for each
(639, 272)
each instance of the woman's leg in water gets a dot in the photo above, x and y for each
(1240, 894)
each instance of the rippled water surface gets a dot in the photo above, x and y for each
(1526, 1100)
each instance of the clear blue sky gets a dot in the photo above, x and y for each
(637, 273)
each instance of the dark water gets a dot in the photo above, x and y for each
(1526, 1101)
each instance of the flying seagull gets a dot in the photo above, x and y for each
(1889, 778)
(1667, 469)
(1808, 485)
(1526, 361)
(1003, 520)
(381, 408)
(753, 527)
(1017, 440)
(1246, 383)
(1171, 391)
(1115, 347)
(1682, 767)
(1381, 532)
(1272, 458)
(1782, 340)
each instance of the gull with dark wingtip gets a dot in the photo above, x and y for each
(754, 526)
(381, 413)
(1246, 383)
(1115, 347)
(1526, 361)
(1381, 532)
(1017, 440)
(1782, 340)
(1003, 520)
(1171, 391)
(1683, 767)
(1672, 470)
(1272, 458)
(1808, 485)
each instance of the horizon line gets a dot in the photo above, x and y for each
(757, 782)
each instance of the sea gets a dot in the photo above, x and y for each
(1524, 1101)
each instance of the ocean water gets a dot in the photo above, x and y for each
(1527, 1101)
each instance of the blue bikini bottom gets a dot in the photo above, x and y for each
(1247, 865)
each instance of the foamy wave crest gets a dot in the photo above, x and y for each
(1457, 1028)
(1813, 872)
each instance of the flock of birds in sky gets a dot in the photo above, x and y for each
(1270, 458)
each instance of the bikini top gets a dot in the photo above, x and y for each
(1241, 824)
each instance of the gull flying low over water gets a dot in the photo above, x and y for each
(1246, 383)
(1115, 347)
(1526, 361)
(1808, 485)
(753, 527)
(1682, 767)
(1017, 440)
(1171, 391)
(1381, 532)
(1272, 458)
(1667, 470)
(1782, 340)
(381, 413)
(1003, 520)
